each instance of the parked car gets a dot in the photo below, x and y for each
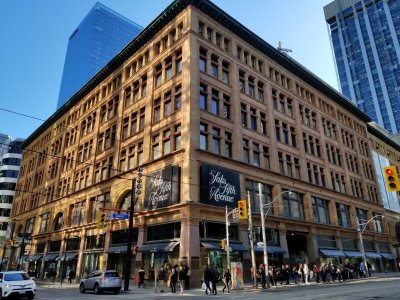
(16, 284)
(99, 281)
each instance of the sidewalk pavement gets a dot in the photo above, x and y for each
(198, 291)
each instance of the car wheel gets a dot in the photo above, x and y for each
(97, 289)
(82, 288)
(116, 291)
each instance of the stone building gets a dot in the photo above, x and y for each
(212, 114)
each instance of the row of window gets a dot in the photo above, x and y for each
(211, 64)
(293, 207)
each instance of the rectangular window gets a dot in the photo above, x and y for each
(203, 136)
(320, 210)
(293, 205)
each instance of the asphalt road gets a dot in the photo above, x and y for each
(380, 288)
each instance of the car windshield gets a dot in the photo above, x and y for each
(16, 277)
(111, 274)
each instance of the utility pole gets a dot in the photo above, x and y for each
(253, 257)
(228, 258)
(130, 234)
(266, 266)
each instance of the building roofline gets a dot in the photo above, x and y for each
(372, 130)
(225, 20)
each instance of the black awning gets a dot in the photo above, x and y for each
(49, 256)
(68, 256)
(160, 247)
(387, 255)
(35, 257)
(352, 253)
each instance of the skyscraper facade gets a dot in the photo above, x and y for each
(365, 38)
(10, 160)
(98, 38)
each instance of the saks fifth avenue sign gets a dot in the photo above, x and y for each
(219, 186)
(162, 188)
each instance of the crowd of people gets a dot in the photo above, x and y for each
(303, 273)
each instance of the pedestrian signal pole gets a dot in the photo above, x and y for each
(228, 254)
(253, 257)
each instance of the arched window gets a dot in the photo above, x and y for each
(126, 202)
(59, 222)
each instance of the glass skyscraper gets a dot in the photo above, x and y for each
(365, 38)
(101, 35)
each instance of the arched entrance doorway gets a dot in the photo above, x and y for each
(297, 246)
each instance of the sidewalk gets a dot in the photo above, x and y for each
(198, 291)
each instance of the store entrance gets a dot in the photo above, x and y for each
(297, 245)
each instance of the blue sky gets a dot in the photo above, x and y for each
(34, 36)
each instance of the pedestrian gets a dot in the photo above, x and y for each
(71, 275)
(46, 276)
(317, 273)
(207, 279)
(215, 279)
(173, 278)
(161, 278)
(188, 273)
(53, 275)
(227, 281)
(263, 276)
(305, 273)
(141, 275)
(369, 269)
(181, 279)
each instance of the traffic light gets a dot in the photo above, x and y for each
(392, 179)
(242, 209)
(101, 220)
(223, 243)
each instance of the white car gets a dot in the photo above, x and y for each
(16, 284)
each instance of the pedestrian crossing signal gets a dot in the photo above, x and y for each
(223, 244)
(242, 209)
(101, 220)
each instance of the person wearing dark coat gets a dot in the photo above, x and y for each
(207, 279)
(141, 278)
(227, 280)
(174, 278)
(215, 279)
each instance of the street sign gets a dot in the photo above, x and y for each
(108, 216)
(120, 216)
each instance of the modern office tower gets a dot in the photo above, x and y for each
(365, 38)
(212, 114)
(10, 160)
(99, 37)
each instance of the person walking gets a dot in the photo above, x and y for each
(174, 278)
(227, 281)
(71, 275)
(141, 274)
(317, 273)
(161, 279)
(215, 279)
(305, 273)
(188, 273)
(207, 279)
(181, 279)
(263, 276)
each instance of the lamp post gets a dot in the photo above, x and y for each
(130, 234)
(25, 238)
(360, 229)
(263, 227)
(65, 260)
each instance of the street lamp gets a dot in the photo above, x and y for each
(360, 229)
(263, 227)
(25, 238)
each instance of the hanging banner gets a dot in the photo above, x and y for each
(219, 186)
(162, 188)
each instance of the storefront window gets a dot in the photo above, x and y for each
(121, 236)
(55, 246)
(95, 241)
(326, 241)
(164, 231)
(211, 230)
